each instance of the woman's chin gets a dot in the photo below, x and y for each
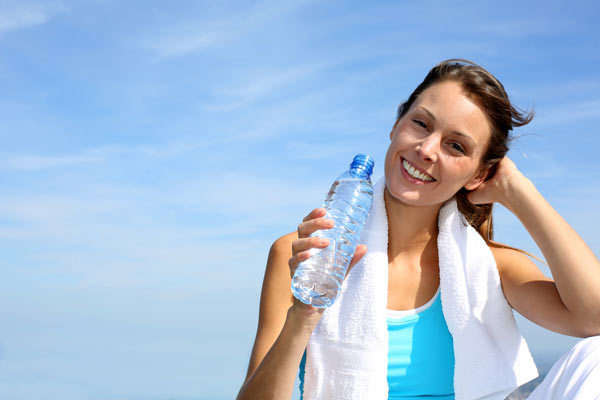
(409, 197)
(414, 198)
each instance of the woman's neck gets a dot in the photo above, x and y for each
(412, 230)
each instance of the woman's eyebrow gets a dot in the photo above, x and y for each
(463, 135)
(427, 112)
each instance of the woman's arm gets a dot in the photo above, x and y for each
(280, 340)
(275, 376)
(285, 324)
(575, 268)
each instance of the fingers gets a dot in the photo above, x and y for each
(316, 213)
(301, 247)
(297, 259)
(308, 243)
(314, 222)
(301, 250)
(301, 256)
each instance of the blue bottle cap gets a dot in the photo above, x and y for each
(364, 162)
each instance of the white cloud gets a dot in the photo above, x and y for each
(560, 88)
(539, 165)
(97, 155)
(130, 235)
(154, 151)
(188, 38)
(24, 14)
(522, 27)
(258, 85)
(121, 237)
(182, 44)
(569, 112)
(30, 162)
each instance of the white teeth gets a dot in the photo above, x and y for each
(415, 173)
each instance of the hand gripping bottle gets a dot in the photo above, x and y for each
(318, 280)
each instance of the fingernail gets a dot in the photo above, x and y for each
(324, 242)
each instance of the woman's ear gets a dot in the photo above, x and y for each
(394, 129)
(478, 179)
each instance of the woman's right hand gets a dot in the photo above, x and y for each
(308, 315)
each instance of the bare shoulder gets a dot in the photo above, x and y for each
(512, 261)
(531, 293)
(275, 299)
(516, 269)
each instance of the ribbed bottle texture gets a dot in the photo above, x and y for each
(318, 280)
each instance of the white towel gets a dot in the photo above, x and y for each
(347, 353)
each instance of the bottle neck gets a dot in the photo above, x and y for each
(360, 172)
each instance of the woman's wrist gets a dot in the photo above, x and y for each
(517, 187)
(302, 318)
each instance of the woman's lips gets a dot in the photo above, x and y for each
(409, 178)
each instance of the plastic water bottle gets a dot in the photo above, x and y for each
(318, 280)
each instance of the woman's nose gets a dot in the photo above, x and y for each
(428, 149)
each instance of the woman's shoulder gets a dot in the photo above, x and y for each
(505, 255)
(503, 251)
(509, 259)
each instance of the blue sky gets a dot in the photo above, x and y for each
(150, 152)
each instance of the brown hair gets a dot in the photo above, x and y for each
(489, 94)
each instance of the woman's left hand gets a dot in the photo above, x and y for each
(498, 188)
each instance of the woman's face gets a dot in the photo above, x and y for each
(436, 147)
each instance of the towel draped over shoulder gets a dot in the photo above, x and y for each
(347, 353)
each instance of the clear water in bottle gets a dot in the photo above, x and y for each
(318, 280)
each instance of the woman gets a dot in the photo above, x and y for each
(448, 142)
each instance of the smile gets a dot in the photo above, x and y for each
(414, 173)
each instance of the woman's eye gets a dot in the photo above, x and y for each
(420, 123)
(457, 146)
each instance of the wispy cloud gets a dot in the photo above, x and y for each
(312, 151)
(24, 14)
(98, 155)
(255, 86)
(560, 88)
(189, 38)
(542, 165)
(30, 162)
(520, 27)
(124, 235)
(570, 112)
(181, 44)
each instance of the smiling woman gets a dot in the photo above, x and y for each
(426, 310)
(432, 146)
(485, 92)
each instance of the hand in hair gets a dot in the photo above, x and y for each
(498, 189)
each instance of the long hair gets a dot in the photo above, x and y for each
(489, 94)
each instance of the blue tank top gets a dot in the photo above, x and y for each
(421, 354)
